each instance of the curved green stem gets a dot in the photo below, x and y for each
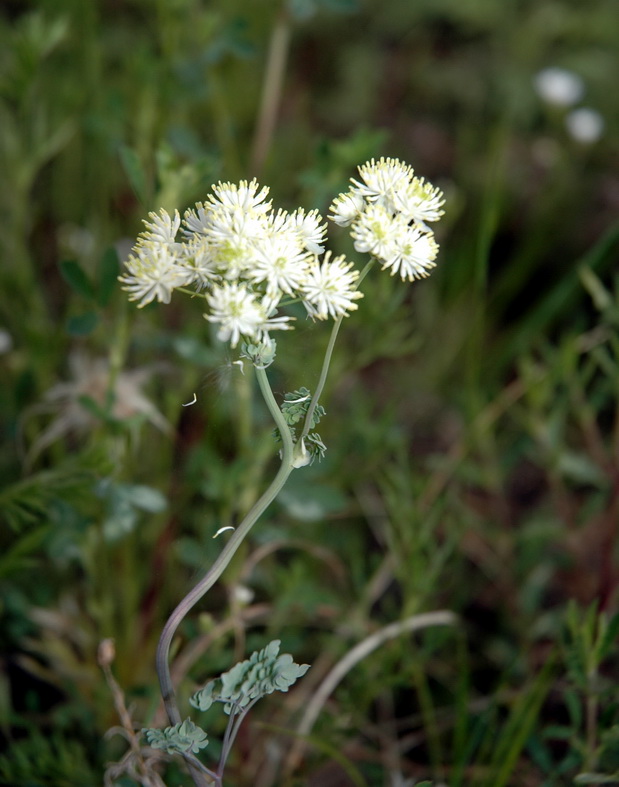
(218, 567)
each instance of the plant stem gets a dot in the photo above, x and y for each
(327, 361)
(218, 567)
(271, 90)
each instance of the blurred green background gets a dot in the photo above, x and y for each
(473, 423)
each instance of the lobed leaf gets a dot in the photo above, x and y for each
(185, 737)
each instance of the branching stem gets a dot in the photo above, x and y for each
(220, 564)
(327, 361)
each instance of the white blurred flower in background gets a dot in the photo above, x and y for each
(559, 86)
(6, 341)
(91, 381)
(585, 125)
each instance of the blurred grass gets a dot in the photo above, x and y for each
(472, 422)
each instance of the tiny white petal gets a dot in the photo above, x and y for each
(223, 530)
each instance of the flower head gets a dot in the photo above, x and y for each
(310, 228)
(280, 262)
(420, 202)
(411, 254)
(244, 198)
(383, 180)
(152, 273)
(387, 211)
(236, 310)
(374, 231)
(345, 208)
(161, 229)
(240, 313)
(330, 288)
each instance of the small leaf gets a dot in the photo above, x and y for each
(183, 738)
(203, 699)
(263, 673)
(144, 497)
(82, 324)
(76, 278)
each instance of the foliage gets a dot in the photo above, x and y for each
(263, 673)
(473, 439)
(181, 738)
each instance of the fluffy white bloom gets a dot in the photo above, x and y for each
(420, 201)
(240, 313)
(281, 262)
(199, 262)
(161, 228)
(233, 236)
(375, 230)
(559, 86)
(311, 229)
(236, 310)
(152, 273)
(585, 125)
(411, 254)
(248, 257)
(197, 220)
(382, 178)
(244, 197)
(345, 208)
(329, 289)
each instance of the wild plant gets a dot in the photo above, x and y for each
(247, 264)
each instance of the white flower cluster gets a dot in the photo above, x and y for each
(387, 211)
(249, 260)
(246, 257)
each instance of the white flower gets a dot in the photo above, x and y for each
(311, 229)
(375, 230)
(161, 228)
(345, 208)
(330, 288)
(412, 253)
(234, 237)
(272, 323)
(237, 311)
(199, 262)
(281, 262)
(383, 180)
(197, 220)
(559, 86)
(246, 197)
(585, 125)
(420, 201)
(153, 272)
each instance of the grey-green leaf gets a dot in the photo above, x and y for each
(185, 737)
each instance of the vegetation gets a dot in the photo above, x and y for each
(472, 420)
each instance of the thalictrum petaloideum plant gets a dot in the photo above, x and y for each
(247, 262)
